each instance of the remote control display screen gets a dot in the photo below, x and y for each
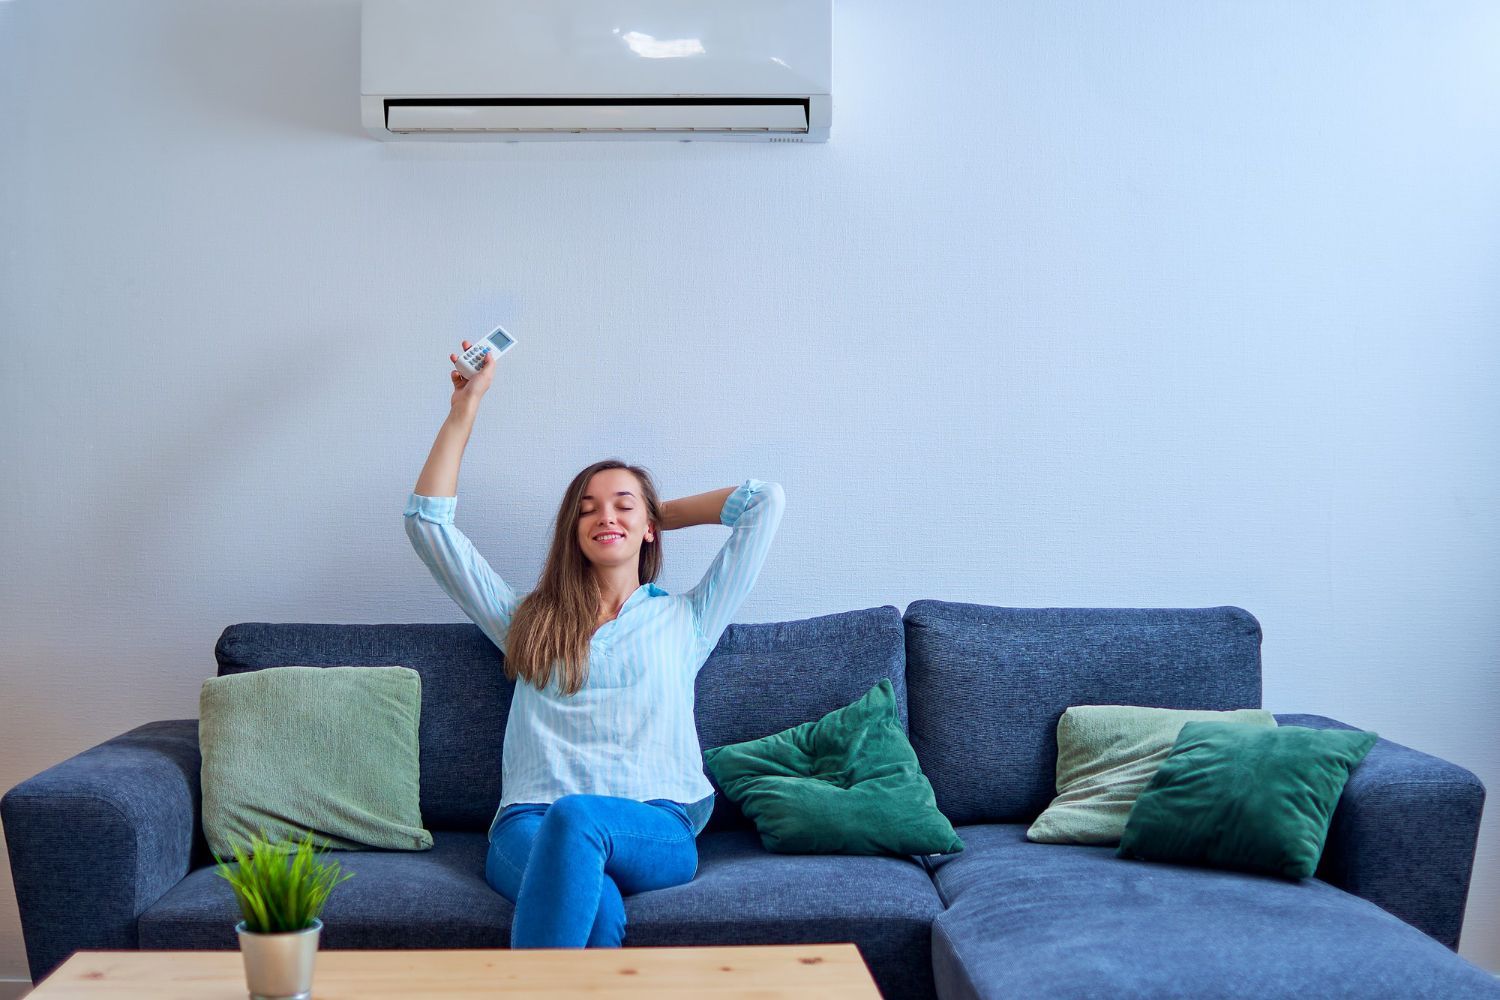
(500, 340)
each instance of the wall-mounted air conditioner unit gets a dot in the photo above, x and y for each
(597, 69)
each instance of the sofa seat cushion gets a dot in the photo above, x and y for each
(1065, 920)
(436, 898)
(741, 894)
(744, 894)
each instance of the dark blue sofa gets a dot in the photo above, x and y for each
(108, 852)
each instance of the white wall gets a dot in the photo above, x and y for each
(1084, 304)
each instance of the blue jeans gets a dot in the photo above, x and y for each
(566, 865)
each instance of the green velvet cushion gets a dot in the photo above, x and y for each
(328, 749)
(1245, 797)
(1105, 756)
(847, 783)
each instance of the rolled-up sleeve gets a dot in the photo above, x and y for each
(458, 567)
(753, 510)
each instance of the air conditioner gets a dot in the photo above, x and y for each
(509, 70)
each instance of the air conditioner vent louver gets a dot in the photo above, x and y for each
(514, 115)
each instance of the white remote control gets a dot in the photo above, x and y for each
(491, 347)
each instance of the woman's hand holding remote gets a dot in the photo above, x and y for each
(468, 391)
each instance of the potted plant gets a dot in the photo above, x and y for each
(281, 889)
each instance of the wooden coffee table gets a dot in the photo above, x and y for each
(814, 971)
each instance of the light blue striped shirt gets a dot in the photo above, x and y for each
(629, 731)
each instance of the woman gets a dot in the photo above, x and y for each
(602, 785)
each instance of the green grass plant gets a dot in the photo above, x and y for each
(281, 886)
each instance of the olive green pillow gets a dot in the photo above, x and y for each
(1105, 756)
(847, 783)
(1245, 797)
(332, 750)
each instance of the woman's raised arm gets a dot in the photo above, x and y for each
(701, 508)
(455, 564)
(753, 510)
(439, 476)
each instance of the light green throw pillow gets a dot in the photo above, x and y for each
(332, 750)
(1105, 756)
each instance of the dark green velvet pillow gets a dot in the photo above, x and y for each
(1253, 798)
(847, 783)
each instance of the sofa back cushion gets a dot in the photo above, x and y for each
(764, 678)
(465, 698)
(988, 685)
(759, 680)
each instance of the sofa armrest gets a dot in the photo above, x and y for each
(98, 838)
(1404, 833)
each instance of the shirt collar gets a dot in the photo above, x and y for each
(642, 592)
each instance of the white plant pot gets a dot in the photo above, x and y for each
(279, 966)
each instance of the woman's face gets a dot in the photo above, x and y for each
(613, 504)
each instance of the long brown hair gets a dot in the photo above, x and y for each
(554, 623)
